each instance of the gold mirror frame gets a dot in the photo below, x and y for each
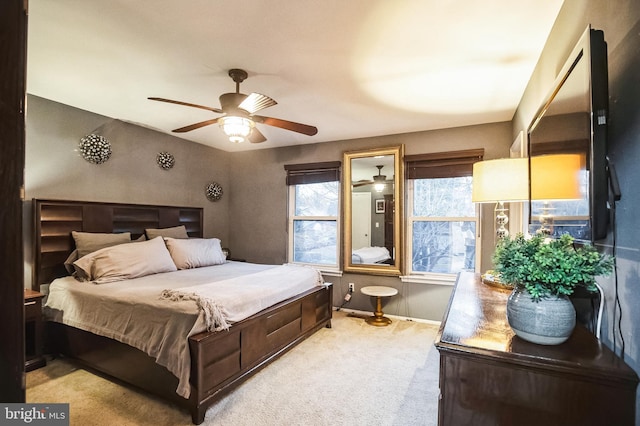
(398, 213)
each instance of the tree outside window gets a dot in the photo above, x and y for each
(443, 224)
(314, 223)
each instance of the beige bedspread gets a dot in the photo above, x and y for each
(133, 311)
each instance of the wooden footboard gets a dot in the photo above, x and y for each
(219, 361)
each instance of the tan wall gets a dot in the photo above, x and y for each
(258, 206)
(55, 169)
(251, 218)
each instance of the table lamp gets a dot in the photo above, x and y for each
(554, 177)
(500, 181)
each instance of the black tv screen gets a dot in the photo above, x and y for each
(568, 132)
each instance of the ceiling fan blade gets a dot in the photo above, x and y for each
(255, 102)
(186, 104)
(196, 126)
(362, 183)
(288, 125)
(256, 136)
(230, 101)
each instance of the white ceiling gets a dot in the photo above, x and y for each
(353, 69)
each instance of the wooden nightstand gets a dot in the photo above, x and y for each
(33, 330)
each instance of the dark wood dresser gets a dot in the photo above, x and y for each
(489, 376)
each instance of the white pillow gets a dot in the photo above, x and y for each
(195, 252)
(124, 261)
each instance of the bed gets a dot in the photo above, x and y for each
(370, 255)
(217, 360)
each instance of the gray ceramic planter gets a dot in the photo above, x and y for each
(550, 321)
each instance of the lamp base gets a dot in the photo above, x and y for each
(501, 220)
(492, 278)
(546, 220)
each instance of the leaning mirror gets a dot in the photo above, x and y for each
(373, 182)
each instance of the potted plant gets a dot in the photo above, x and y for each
(544, 273)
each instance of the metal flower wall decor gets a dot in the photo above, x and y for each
(213, 191)
(95, 149)
(165, 160)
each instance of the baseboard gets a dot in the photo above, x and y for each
(365, 314)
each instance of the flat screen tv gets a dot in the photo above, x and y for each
(572, 124)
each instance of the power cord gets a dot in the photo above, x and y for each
(617, 308)
(347, 299)
(615, 195)
(600, 309)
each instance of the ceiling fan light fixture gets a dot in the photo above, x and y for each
(379, 180)
(236, 128)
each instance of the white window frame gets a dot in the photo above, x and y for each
(432, 277)
(292, 218)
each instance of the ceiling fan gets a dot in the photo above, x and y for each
(378, 180)
(238, 114)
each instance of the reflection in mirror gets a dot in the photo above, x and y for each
(372, 210)
(560, 135)
(372, 215)
(567, 148)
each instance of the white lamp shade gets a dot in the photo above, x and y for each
(506, 179)
(236, 128)
(556, 177)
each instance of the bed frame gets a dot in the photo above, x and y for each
(220, 361)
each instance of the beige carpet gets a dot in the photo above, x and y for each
(363, 375)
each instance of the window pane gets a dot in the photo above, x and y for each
(314, 241)
(443, 197)
(317, 199)
(444, 247)
(578, 229)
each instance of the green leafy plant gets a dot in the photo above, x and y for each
(552, 268)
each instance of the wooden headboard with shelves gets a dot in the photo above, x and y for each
(55, 219)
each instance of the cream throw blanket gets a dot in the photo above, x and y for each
(232, 300)
(132, 311)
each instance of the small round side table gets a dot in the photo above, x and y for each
(378, 318)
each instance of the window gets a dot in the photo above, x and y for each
(441, 219)
(314, 207)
